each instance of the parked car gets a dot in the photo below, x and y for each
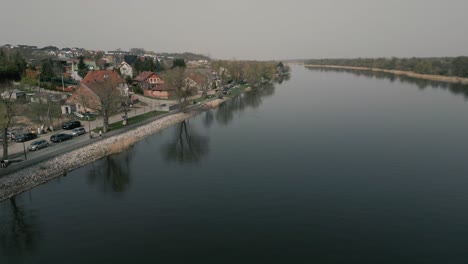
(71, 124)
(78, 131)
(10, 136)
(60, 137)
(25, 137)
(38, 144)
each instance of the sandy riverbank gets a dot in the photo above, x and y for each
(440, 78)
(23, 180)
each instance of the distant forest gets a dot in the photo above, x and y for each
(447, 66)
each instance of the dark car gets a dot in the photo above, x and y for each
(60, 137)
(38, 144)
(71, 124)
(25, 137)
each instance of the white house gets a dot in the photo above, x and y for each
(13, 94)
(125, 69)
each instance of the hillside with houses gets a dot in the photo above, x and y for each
(41, 74)
(41, 88)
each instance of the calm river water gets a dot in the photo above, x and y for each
(327, 167)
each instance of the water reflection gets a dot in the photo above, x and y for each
(208, 119)
(18, 229)
(187, 146)
(280, 79)
(454, 88)
(252, 99)
(113, 175)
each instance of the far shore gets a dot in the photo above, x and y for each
(440, 78)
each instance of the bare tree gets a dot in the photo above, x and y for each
(236, 70)
(7, 113)
(138, 51)
(46, 110)
(110, 100)
(176, 78)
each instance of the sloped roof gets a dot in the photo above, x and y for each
(145, 75)
(91, 86)
(94, 79)
(101, 76)
(124, 63)
(198, 78)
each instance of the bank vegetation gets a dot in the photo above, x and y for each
(444, 66)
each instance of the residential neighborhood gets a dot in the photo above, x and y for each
(76, 72)
(108, 89)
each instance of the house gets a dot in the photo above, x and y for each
(197, 80)
(104, 64)
(86, 97)
(125, 69)
(45, 97)
(13, 94)
(74, 72)
(91, 64)
(148, 79)
(162, 91)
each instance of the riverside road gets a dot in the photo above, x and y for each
(16, 150)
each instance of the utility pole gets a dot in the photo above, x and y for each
(63, 85)
(89, 128)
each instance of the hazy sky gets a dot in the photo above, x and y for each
(244, 29)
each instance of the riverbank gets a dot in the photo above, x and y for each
(439, 78)
(27, 178)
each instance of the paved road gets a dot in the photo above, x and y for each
(16, 150)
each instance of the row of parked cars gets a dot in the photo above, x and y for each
(76, 130)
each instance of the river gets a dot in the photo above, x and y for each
(327, 167)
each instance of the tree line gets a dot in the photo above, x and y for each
(447, 66)
(252, 72)
(12, 66)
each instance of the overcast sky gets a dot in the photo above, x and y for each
(244, 29)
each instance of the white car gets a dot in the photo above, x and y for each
(78, 131)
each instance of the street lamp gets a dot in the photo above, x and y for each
(24, 149)
(89, 128)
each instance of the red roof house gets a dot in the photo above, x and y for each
(148, 79)
(87, 95)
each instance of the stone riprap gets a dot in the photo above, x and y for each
(30, 177)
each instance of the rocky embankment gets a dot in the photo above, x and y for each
(30, 177)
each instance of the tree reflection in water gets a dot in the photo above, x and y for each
(253, 99)
(282, 78)
(113, 175)
(19, 229)
(209, 118)
(187, 145)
